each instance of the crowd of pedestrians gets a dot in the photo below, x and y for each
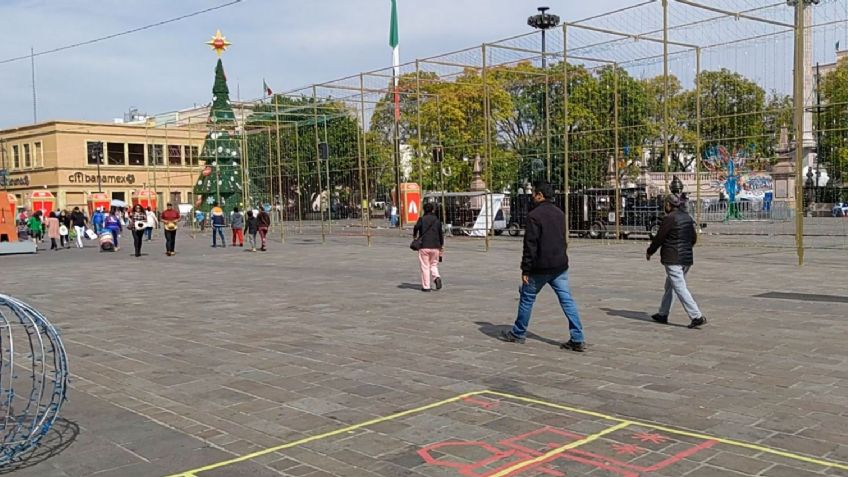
(107, 226)
(544, 258)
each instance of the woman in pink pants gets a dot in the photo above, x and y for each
(429, 229)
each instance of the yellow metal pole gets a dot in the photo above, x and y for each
(279, 171)
(616, 98)
(488, 149)
(565, 184)
(318, 160)
(297, 171)
(665, 127)
(367, 210)
(798, 93)
(698, 137)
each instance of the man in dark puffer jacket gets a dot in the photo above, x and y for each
(676, 236)
(545, 262)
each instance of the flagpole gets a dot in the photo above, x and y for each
(394, 43)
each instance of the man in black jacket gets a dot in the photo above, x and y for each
(545, 262)
(676, 236)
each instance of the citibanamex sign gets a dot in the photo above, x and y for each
(80, 178)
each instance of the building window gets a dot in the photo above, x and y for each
(174, 155)
(175, 198)
(118, 196)
(191, 155)
(155, 155)
(16, 157)
(136, 154)
(115, 154)
(27, 157)
(190, 198)
(39, 155)
(94, 152)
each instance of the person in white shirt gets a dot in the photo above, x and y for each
(152, 222)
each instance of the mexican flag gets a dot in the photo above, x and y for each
(393, 42)
(267, 88)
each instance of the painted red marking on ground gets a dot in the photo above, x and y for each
(511, 452)
(484, 403)
(651, 437)
(627, 449)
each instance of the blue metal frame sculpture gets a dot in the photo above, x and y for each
(33, 378)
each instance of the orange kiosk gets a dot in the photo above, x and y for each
(43, 201)
(410, 200)
(145, 198)
(13, 205)
(9, 242)
(98, 200)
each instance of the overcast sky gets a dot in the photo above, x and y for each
(290, 43)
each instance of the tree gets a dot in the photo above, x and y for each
(299, 119)
(220, 179)
(833, 150)
(732, 112)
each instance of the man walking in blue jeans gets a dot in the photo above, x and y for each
(676, 236)
(545, 262)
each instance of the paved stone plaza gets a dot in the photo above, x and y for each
(318, 360)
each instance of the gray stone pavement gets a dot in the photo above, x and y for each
(180, 363)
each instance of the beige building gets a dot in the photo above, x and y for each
(59, 157)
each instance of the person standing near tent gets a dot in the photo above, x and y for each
(64, 229)
(170, 219)
(252, 229)
(79, 221)
(152, 222)
(138, 224)
(237, 224)
(36, 228)
(264, 223)
(53, 230)
(113, 225)
(218, 224)
(97, 220)
(200, 219)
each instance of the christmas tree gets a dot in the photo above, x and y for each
(220, 180)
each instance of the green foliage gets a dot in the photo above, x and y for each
(833, 152)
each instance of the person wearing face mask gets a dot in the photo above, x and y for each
(676, 238)
(545, 262)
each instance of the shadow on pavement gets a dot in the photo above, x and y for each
(410, 286)
(494, 331)
(638, 316)
(61, 435)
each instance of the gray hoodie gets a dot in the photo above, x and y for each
(237, 220)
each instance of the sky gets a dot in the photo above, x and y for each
(289, 43)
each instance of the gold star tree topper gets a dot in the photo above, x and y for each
(219, 43)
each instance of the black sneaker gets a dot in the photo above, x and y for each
(426, 290)
(698, 322)
(507, 336)
(438, 283)
(660, 318)
(573, 346)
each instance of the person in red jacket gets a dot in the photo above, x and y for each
(170, 218)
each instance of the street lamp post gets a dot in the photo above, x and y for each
(543, 21)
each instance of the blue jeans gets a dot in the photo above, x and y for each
(218, 230)
(675, 284)
(559, 283)
(148, 232)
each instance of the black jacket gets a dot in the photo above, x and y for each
(78, 219)
(544, 241)
(429, 228)
(677, 236)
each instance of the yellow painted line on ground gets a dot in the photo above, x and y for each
(747, 445)
(560, 450)
(305, 440)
